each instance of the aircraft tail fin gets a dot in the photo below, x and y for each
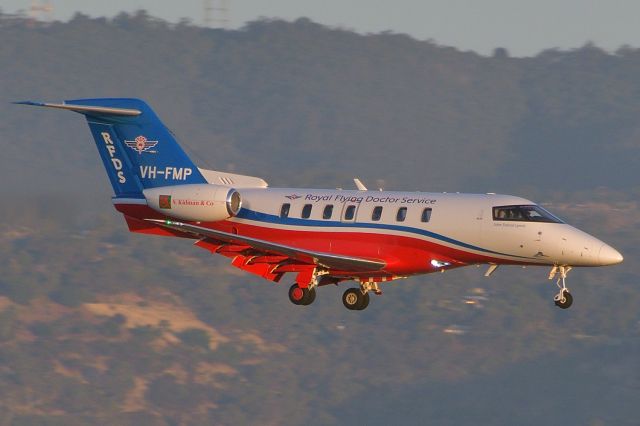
(137, 150)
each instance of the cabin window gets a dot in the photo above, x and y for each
(328, 211)
(426, 214)
(527, 213)
(376, 214)
(402, 214)
(350, 212)
(306, 211)
(284, 210)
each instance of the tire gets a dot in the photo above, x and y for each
(352, 299)
(364, 302)
(301, 296)
(309, 297)
(568, 301)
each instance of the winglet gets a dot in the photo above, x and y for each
(84, 109)
(360, 185)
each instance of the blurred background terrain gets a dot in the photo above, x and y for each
(99, 326)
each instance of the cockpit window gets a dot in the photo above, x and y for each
(529, 213)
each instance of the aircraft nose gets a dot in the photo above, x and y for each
(609, 256)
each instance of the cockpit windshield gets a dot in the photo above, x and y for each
(528, 213)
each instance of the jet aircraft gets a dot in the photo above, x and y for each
(322, 236)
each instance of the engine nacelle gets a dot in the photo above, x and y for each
(200, 202)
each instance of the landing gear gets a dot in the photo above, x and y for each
(306, 295)
(355, 300)
(301, 296)
(563, 299)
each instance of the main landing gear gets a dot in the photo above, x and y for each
(563, 299)
(357, 299)
(354, 299)
(305, 295)
(302, 296)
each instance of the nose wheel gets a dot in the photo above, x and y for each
(563, 299)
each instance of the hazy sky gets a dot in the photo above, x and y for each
(524, 27)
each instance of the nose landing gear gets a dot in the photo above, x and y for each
(563, 299)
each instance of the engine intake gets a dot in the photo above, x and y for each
(196, 202)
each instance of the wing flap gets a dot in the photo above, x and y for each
(327, 260)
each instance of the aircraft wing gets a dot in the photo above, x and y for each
(327, 260)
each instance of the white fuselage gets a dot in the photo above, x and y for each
(458, 223)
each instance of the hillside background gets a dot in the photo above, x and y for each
(101, 326)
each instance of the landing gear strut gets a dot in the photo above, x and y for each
(563, 299)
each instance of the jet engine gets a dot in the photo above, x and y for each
(196, 202)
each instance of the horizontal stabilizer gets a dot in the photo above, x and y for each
(85, 109)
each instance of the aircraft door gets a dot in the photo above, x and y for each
(479, 226)
(506, 232)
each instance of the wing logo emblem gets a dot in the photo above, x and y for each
(293, 197)
(141, 144)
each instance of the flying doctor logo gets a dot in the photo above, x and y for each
(141, 144)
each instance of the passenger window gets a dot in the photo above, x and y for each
(350, 212)
(377, 213)
(426, 214)
(284, 210)
(328, 211)
(306, 211)
(402, 214)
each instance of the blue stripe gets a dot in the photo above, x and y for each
(269, 218)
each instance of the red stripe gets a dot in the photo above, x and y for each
(403, 255)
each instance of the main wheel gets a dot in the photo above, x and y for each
(351, 298)
(364, 302)
(309, 296)
(301, 296)
(566, 303)
(354, 300)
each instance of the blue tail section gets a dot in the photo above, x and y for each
(137, 150)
